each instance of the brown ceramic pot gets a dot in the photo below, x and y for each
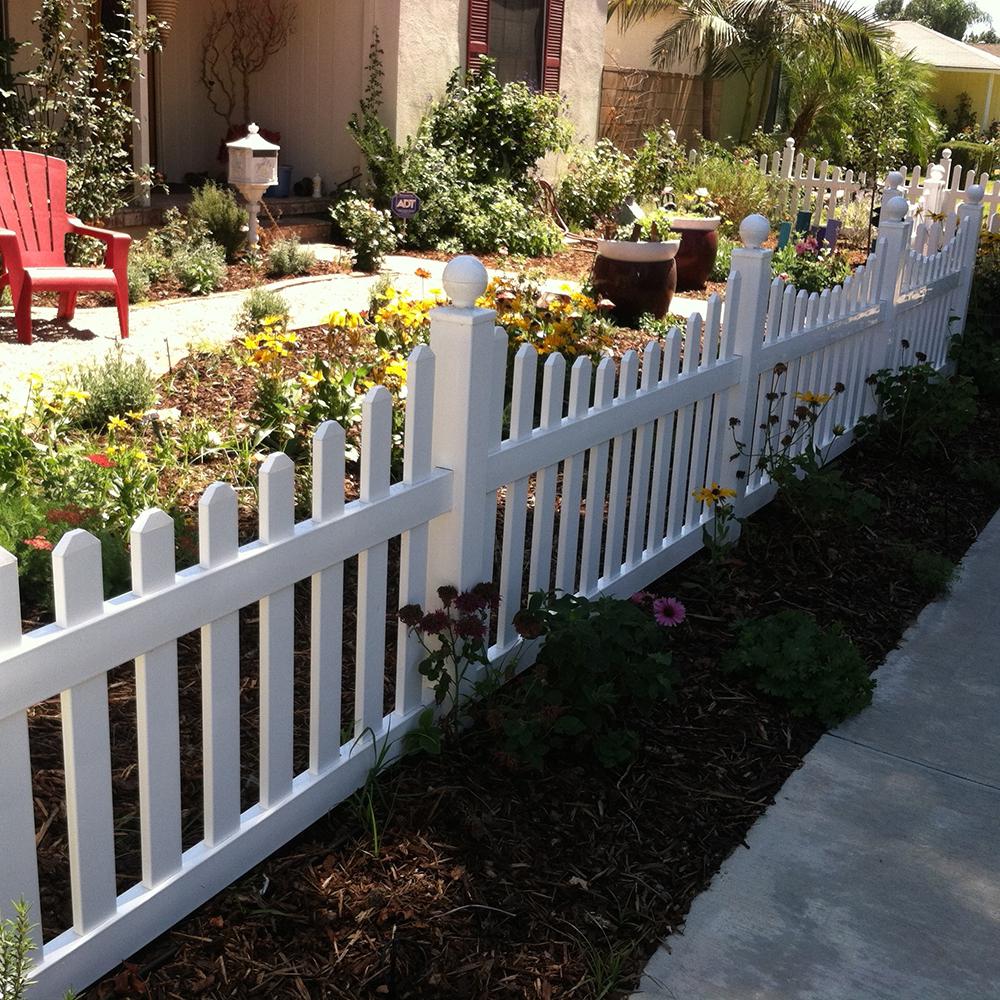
(699, 246)
(637, 277)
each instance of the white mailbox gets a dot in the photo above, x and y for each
(253, 168)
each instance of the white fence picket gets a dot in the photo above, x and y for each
(522, 409)
(79, 589)
(157, 711)
(277, 637)
(18, 861)
(220, 673)
(572, 491)
(597, 481)
(413, 544)
(543, 518)
(326, 628)
(621, 458)
(373, 565)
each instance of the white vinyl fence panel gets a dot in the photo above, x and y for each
(605, 471)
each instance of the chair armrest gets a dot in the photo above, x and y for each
(10, 248)
(116, 255)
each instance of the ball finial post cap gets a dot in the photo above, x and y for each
(893, 179)
(896, 209)
(790, 143)
(465, 280)
(754, 229)
(975, 194)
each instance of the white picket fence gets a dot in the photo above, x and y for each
(619, 463)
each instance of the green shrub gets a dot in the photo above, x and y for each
(367, 229)
(598, 181)
(736, 186)
(603, 663)
(115, 386)
(656, 164)
(503, 128)
(978, 156)
(469, 162)
(810, 267)
(15, 953)
(723, 259)
(931, 571)
(200, 268)
(818, 673)
(984, 475)
(285, 257)
(139, 280)
(222, 216)
(919, 411)
(259, 305)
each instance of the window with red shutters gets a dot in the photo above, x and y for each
(523, 36)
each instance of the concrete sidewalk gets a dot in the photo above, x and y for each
(164, 332)
(876, 873)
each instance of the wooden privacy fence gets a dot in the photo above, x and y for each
(619, 455)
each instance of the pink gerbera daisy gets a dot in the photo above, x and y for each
(640, 597)
(668, 611)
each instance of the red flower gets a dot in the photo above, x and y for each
(434, 622)
(38, 542)
(71, 515)
(102, 460)
(471, 628)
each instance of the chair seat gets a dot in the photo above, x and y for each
(66, 279)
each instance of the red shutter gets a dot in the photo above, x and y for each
(479, 33)
(552, 49)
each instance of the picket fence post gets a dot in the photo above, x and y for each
(752, 263)
(892, 247)
(970, 221)
(462, 340)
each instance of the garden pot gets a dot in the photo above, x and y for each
(696, 257)
(637, 277)
(165, 12)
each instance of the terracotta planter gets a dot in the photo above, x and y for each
(699, 246)
(165, 12)
(638, 277)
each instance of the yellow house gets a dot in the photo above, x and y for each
(312, 86)
(958, 68)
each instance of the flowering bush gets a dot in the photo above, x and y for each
(572, 323)
(809, 266)
(368, 229)
(789, 456)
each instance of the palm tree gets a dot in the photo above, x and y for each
(749, 37)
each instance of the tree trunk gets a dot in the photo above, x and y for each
(708, 87)
(246, 99)
(772, 105)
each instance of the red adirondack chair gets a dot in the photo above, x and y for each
(34, 224)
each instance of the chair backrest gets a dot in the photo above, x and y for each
(33, 205)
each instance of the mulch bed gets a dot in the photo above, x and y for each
(492, 881)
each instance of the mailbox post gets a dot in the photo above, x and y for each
(253, 168)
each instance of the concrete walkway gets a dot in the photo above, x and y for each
(876, 873)
(164, 332)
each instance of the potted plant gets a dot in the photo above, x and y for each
(696, 217)
(634, 267)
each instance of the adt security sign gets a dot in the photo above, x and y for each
(405, 205)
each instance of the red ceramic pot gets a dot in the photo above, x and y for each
(699, 246)
(638, 277)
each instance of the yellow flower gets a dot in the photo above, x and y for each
(310, 379)
(814, 398)
(117, 424)
(76, 394)
(713, 494)
(136, 415)
(422, 272)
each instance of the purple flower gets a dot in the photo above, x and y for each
(434, 622)
(471, 628)
(639, 597)
(470, 602)
(410, 614)
(668, 611)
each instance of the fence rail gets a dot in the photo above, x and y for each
(611, 466)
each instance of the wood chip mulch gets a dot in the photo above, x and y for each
(496, 882)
